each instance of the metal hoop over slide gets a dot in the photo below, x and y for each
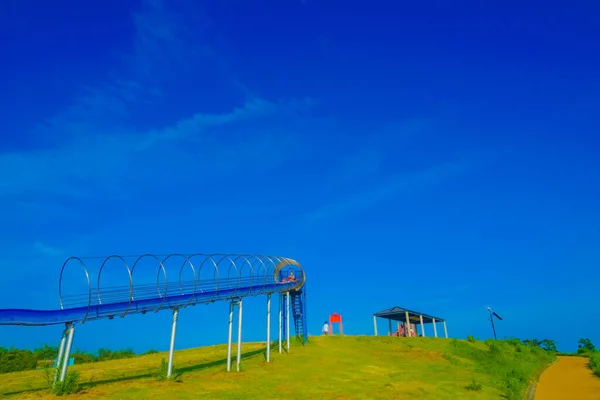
(214, 277)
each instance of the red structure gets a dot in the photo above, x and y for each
(336, 318)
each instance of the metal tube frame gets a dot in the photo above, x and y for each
(247, 275)
(61, 351)
(67, 353)
(268, 357)
(239, 344)
(230, 334)
(280, 322)
(172, 344)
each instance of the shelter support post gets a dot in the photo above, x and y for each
(422, 325)
(61, 351)
(445, 330)
(172, 345)
(434, 328)
(375, 324)
(67, 352)
(280, 322)
(239, 344)
(229, 336)
(390, 327)
(269, 327)
(407, 327)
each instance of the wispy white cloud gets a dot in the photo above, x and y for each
(92, 147)
(70, 167)
(371, 195)
(47, 250)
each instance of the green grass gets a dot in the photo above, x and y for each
(595, 362)
(357, 367)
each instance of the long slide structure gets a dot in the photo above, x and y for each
(214, 277)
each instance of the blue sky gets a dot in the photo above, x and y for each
(440, 157)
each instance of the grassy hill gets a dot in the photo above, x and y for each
(335, 367)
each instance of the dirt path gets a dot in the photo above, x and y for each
(569, 379)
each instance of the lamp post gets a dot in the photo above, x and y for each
(492, 315)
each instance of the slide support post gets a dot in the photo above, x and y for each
(269, 327)
(280, 321)
(239, 344)
(172, 346)
(61, 351)
(67, 353)
(229, 336)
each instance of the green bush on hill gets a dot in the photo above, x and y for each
(595, 362)
(585, 347)
(511, 363)
(13, 360)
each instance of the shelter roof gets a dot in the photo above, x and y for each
(399, 314)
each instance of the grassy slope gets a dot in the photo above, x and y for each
(328, 367)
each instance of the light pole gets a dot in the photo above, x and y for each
(492, 315)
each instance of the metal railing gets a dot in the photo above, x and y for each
(233, 275)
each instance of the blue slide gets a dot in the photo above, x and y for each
(98, 311)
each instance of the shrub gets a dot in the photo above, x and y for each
(46, 352)
(586, 347)
(13, 360)
(69, 386)
(474, 385)
(107, 354)
(82, 357)
(161, 373)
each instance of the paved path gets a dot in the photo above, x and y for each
(569, 379)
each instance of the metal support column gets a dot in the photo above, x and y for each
(239, 346)
(172, 345)
(434, 328)
(280, 322)
(390, 327)
(407, 327)
(65, 360)
(422, 326)
(288, 317)
(375, 324)
(269, 327)
(61, 351)
(445, 330)
(229, 336)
